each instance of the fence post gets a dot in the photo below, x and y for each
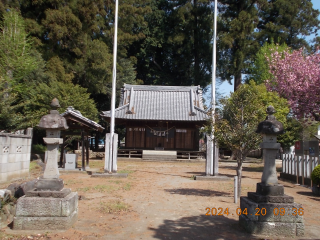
(292, 158)
(292, 164)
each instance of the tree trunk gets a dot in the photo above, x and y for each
(237, 81)
(232, 156)
(239, 171)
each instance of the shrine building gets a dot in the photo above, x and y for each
(160, 117)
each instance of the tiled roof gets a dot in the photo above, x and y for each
(174, 103)
(77, 116)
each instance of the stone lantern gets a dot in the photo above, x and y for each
(53, 123)
(49, 206)
(270, 128)
(269, 211)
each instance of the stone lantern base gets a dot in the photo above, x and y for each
(268, 211)
(46, 210)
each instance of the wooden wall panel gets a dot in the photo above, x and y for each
(129, 138)
(168, 143)
(179, 140)
(135, 137)
(183, 136)
(185, 140)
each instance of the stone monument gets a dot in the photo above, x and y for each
(49, 205)
(269, 211)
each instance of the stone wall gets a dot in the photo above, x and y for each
(15, 152)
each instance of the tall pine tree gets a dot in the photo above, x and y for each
(177, 49)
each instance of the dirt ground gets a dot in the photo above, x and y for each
(160, 200)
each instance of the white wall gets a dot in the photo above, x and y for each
(15, 153)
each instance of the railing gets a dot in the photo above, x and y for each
(299, 166)
(129, 153)
(191, 155)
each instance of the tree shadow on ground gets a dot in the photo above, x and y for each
(316, 199)
(197, 173)
(258, 169)
(160, 173)
(249, 169)
(229, 167)
(285, 185)
(201, 227)
(309, 194)
(204, 174)
(198, 192)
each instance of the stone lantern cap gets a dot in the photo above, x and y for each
(270, 125)
(53, 120)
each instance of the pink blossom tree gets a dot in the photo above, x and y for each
(296, 77)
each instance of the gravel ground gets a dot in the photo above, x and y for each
(160, 200)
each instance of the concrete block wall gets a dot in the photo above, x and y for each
(15, 153)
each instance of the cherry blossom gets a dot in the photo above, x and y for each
(296, 77)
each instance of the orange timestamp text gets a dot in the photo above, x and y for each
(258, 211)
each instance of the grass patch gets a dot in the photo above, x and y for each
(126, 171)
(85, 189)
(127, 186)
(105, 188)
(115, 206)
(72, 181)
(96, 164)
(34, 166)
(115, 181)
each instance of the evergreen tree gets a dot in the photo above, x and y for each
(16, 60)
(287, 21)
(245, 25)
(76, 37)
(8, 114)
(177, 49)
(28, 84)
(236, 42)
(37, 101)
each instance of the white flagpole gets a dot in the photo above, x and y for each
(213, 89)
(114, 77)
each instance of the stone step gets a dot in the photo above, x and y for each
(159, 155)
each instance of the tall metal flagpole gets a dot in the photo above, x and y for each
(213, 161)
(114, 76)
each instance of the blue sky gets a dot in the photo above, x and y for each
(225, 88)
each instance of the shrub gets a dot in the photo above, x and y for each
(38, 149)
(315, 175)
